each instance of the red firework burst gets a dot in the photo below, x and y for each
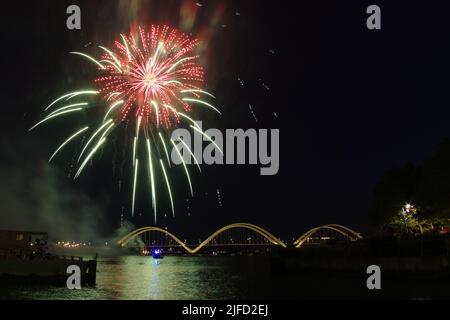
(149, 73)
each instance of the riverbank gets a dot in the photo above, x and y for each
(48, 271)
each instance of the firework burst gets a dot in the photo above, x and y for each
(151, 79)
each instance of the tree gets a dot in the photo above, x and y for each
(395, 188)
(426, 186)
(433, 192)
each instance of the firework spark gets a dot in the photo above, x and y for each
(152, 79)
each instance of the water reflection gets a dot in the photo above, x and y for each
(137, 277)
(223, 277)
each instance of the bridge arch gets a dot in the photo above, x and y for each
(345, 231)
(123, 242)
(266, 234)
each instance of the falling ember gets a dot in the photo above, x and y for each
(253, 113)
(152, 79)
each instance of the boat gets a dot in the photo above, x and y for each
(157, 254)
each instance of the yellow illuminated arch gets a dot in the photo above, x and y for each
(350, 231)
(122, 242)
(266, 234)
(347, 232)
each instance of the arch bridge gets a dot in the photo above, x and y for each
(233, 235)
(225, 236)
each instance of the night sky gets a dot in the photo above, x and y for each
(350, 103)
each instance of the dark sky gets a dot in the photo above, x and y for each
(351, 103)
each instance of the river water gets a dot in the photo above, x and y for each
(143, 278)
(224, 278)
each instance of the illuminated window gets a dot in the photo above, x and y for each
(19, 236)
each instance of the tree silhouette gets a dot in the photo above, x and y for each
(427, 186)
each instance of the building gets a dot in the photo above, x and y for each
(22, 243)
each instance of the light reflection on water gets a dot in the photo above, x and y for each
(225, 277)
(143, 278)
